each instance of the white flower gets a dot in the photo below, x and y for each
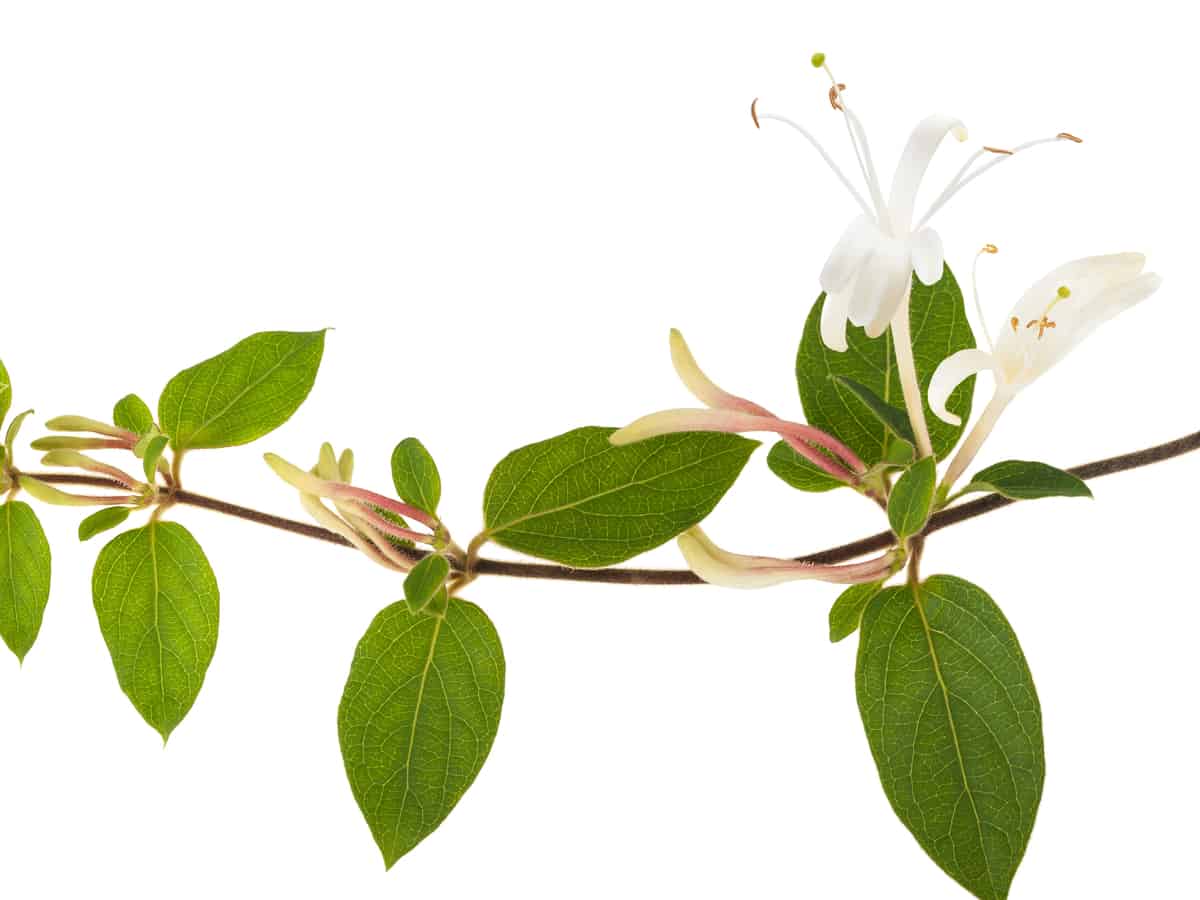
(1053, 316)
(869, 272)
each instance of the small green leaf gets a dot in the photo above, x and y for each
(416, 475)
(939, 328)
(895, 420)
(418, 717)
(1021, 480)
(900, 453)
(953, 720)
(425, 580)
(157, 601)
(847, 609)
(242, 394)
(912, 498)
(24, 576)
(104, 520)
(5, 392)
(578, 500)
(153, 453)
(132, 414)
(797, 471)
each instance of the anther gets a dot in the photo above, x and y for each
(754, 112)
(1066, 136)
(999, 150)
(833, 95)
(1015, 324)
(1042, 325)
(989, 248)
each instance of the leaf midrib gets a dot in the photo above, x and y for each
(962, 766)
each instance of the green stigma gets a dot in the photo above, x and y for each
(818, 60)
(1063, 292)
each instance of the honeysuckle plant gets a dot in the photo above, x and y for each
(946, 696)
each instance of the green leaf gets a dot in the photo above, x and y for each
(132, 414)
(912, 498)
(426, 579)
(157, 601)
(939, 328)
(418, 717)
(153, 453)
(5, 392)
(847, 609)
(895, 420)
(954, 724)
(24, 576)
(416, 475)
(104, 520)
(1021, 480)
(242, 394)
(797, 471)
(578, 500)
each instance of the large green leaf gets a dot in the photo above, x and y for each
(24, 576)
(580, 501)
(157, 602)
(5, 392)
(243, 393)
(418, 717)
(954, 724)
(1022, 480)
(939, 328)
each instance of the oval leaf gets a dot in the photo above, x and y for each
(157, 601)
(425, 580)
(847, 609)
(102, 521)
(911, 499)
(418, 717)
(580, 501)
(1021, 480)
(242, 394)
(132, 414)
(798, 472)
(24, 576)
(954, 724)
(939, 328)
(416, 475)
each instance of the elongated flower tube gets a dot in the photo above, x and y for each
(39, 490)
(1050, 320)
(721, 567)
(733, 414)
(125, 439)
(869, 271)
(370, 522)
(72, 459)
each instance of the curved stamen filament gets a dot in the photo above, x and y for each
(758, 117)
(962, 179)
(862, 149)
(989, 249)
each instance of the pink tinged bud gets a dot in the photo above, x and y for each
(803, 438)
(701, 386)
(721, 567)
(39, 490)
(80, 423)
(328, 520)
(71, 459)
(61, 442)
(370, 498)
(388, 527)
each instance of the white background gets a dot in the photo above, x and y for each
(502, 208)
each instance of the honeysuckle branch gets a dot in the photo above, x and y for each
(952, 515)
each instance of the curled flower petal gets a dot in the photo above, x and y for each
(835, 315)
(914, 161)
(848, 254)
(721, 567)
(881, 285)
(928, 257)
(700, 385)
(950, 373)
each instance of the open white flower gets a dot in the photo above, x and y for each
(1050, 320)
(869, 273)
